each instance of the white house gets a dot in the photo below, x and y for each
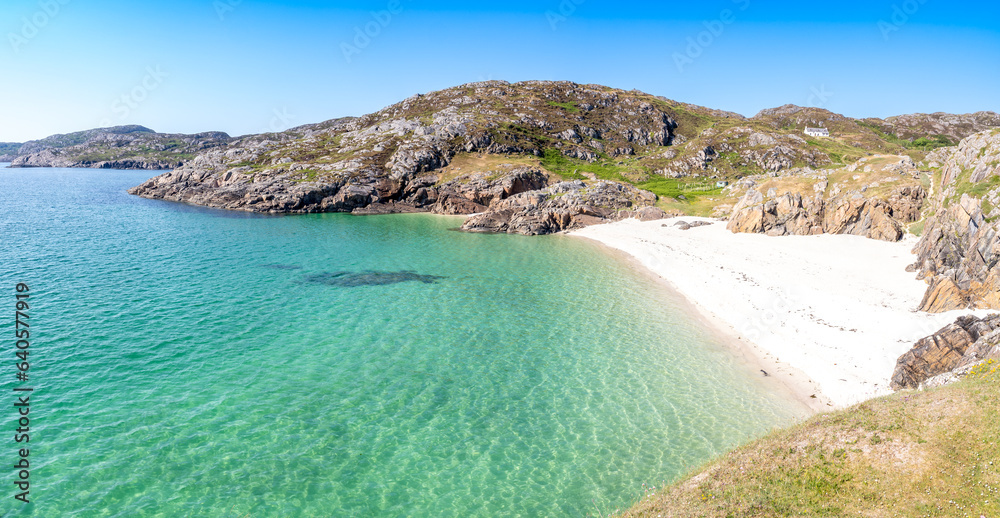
(817, 132)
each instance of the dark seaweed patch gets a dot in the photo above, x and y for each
(281, 266)
(368, 278)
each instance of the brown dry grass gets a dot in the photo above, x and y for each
(469, 163)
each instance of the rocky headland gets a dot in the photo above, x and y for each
(538, 157)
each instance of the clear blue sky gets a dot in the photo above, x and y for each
(246, 66)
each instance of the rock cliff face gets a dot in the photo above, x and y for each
(120, 147)
(957, 346)
(959, 250)
(834, 207)
(790, 214)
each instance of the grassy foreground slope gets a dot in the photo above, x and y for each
(932, 453)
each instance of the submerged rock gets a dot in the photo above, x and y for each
(281, 266)
(368, 278)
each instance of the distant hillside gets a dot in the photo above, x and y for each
(941, 127)
(119, 147)
(7, 150)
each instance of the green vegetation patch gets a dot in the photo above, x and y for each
(570, 107)
(840, 154)
(980, 190)
(923, 143)
(571, 168)
(928, 144)
(9, 147)
(306, 175)
(680, 190)
(517, 134)
(689, 123)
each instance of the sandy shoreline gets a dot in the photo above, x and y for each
(824, 315)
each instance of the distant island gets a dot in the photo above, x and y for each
(119, 147)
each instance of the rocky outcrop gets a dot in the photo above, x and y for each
(684, 225)
(849, 213)
(517, 201)
(736, 149)
(364, 194)
(953, 126)
(120, 147)
(957, 255)
(799, 116)
(564, 206)
(966, 342)
(396, 159)
(402, 159)
(959, 250)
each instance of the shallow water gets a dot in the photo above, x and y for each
(193, 362)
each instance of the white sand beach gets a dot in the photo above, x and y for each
(837, 309)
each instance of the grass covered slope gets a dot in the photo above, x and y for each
(931, 453)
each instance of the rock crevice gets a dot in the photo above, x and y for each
(966, 342)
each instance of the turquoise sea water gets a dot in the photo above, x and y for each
(193, 362)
